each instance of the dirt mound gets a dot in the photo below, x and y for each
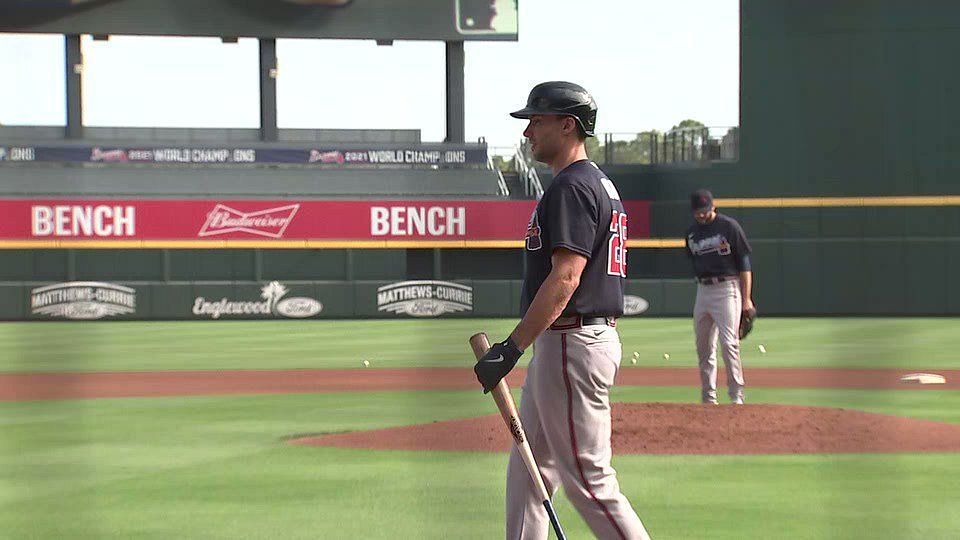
(664, 428)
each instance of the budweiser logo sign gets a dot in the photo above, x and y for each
(270, 222)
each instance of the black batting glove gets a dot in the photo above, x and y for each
(495, 365)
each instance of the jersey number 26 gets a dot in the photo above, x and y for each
(617, 246)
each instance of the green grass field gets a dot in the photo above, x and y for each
(217, 467)
(132, 346)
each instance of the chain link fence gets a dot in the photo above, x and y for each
(684, 145)
(677, 146)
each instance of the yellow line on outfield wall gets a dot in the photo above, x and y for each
(655, 243)
(817, 202)
(257, 244)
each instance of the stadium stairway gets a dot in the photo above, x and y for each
(515, 185)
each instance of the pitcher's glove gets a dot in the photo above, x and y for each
(746, 321)
(495, 365)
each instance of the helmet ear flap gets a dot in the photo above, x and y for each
(573, 121)
(578, 127)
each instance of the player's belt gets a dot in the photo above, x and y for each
(576, 321)
(716, 279)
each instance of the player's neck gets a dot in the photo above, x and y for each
(564, 159)
(705, 222)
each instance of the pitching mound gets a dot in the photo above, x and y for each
(663, 428)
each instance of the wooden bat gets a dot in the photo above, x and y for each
(508, 410)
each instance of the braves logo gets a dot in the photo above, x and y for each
(713, 244)
(326, 157)
(533, 241)
(99, 154)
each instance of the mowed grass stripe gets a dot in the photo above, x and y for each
(330, 493)
(217, 467)
(922, 343)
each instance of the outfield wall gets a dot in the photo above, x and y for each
(277, 299)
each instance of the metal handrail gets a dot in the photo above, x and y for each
(501, 183)
(531, 179)
(535, 183)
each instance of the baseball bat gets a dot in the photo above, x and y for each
(508, 410)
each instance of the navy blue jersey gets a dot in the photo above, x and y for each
(580, 211)
(719, 248)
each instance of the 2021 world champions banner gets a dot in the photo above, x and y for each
(195, 220)
(421, 155)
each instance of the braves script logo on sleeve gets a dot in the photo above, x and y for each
(532, 239)
(271, 222)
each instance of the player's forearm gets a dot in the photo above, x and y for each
(547, 305)
(746, 285)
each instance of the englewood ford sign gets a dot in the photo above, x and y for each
(634, 305)
(270, 304)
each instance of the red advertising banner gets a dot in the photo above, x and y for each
(157, 222)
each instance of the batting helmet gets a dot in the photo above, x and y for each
(562, 98)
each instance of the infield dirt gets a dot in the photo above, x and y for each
(669, 428)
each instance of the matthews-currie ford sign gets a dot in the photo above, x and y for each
(424, 298)
(83, 300)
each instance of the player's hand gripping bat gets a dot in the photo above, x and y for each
(508, 410)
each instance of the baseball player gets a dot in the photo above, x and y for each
(720, 254)
(572, 295)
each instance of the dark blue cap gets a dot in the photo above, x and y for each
(701, 199)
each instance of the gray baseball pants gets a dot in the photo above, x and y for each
(565, 410)
(717, 315)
